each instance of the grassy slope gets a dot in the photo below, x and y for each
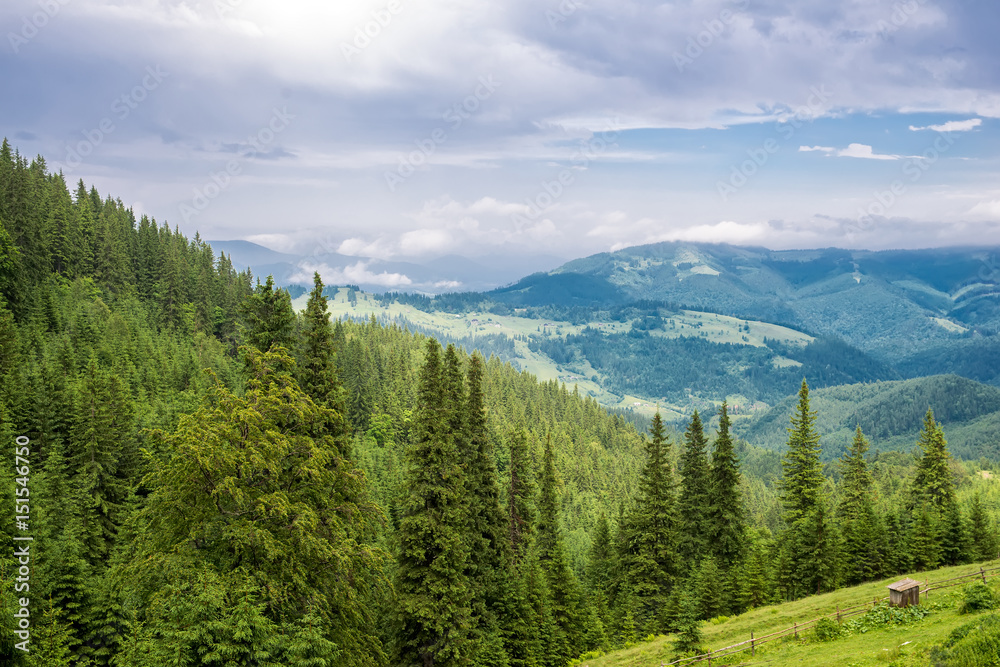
(877, 647)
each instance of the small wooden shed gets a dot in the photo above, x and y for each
(904, 593)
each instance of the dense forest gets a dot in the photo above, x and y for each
(210, 478)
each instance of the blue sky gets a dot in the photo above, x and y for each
(400, 130)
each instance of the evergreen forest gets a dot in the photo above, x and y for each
(208, 477)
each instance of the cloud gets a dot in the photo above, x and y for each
(278, 242)
(357, 273)
(952, 126)
(990, 209)
(863, 151)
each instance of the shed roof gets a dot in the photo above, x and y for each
(904, 585)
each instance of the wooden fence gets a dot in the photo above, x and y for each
(754, 642)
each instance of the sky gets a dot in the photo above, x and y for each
(405, 131)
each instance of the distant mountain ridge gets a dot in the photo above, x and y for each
(893, 304)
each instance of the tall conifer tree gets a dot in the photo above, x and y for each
(650, 533)
(432, 583)
(694, 502)
(727, 516)
(859, 523)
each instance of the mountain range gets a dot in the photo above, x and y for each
(682, 326)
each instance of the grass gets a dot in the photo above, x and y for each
(898, 646)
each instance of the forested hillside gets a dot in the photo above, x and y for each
(209, 477)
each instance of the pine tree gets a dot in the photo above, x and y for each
(925, 542)
(802, 474)
(521, 492)
(432, 584)
(267, 318)
(694, 503)
(955, 537)
(255, 521)
(933, 483)
(805, 565)
(706, 586)
(563, 587)
(490, 556)
(318, 369)
(649, 554)
(982, 532)
(727, 516)
(859, 523)
(687, 640)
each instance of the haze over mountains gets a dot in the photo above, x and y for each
(447, 273)
(683, 326)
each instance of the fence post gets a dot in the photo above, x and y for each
(838, 614)
(795, 626)
(753, 649)
(982, 573)
(709, 657)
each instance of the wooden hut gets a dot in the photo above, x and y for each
(904, 593)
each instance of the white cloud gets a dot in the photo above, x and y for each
(355, 274)
(425, 242)
(990, 209)
(380, 248)
(864, 151)
(952, 126)
(278, 242)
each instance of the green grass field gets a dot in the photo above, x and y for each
(900, 646)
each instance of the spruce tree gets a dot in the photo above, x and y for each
(317, 373)
(727, 516)
(521, 492)
(694, 503)
(859, 523)
(802, 474)
(267, 318)
(933, 483)
(490, 555)
(955, 537)
(925, 541)
(804, 568)
(432, 585)
(649, 554)
(255, 521)
(566, 601)
(982, 532)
